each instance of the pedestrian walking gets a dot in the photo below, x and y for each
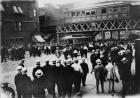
(46, 70)
(27, 84)
(18, 81)
(99, 72)
(110, 76)
(68, 74)
(38, 85)
(77, 76)
(36, 68)
(85, 69)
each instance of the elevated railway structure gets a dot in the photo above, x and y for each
(81, 25)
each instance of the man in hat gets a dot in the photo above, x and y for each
(38, 84)
(77, 76)
(52, 77)
(59, 77)
(18, 81)
(94, 56)
(36, 68)
(27, 84)
(22, 63)
(85, 69)
(68, 74)
(46, 71)
(125, 74)
(85, 50)
(99, 75)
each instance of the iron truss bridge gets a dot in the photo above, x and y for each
(102, 25)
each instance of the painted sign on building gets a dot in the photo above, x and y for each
(99, 36)
(124, 34)
(107, 35)
(115, 35)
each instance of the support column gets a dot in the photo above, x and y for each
(103, 35)
(118, 35)
(111, 35)
(58, 39)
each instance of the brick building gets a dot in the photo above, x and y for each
(19, 21)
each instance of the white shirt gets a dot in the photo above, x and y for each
(77, 67)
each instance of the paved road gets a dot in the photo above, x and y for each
(8, 71)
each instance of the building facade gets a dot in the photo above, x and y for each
(49, 17)
(19, 21)
(85, 22)
(104, 20)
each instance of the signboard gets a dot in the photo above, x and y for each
(124, 34)
(80, 19)
(99, 36)
(107, 35)
(115, 35)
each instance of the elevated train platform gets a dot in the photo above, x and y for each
(105, 19)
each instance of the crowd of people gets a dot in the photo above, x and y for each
(63, 74)
(109, 59)
(13, 52)
(17, 52)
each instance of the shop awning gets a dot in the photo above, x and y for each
(20, 10)
(47, 36)
(38, 38)
(66, 37)
(71, 37)
(15, 9)
(1, 7)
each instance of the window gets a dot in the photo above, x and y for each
(19, 26)
(67, 14)
(72, 13)
(103, 11)
(115, 9)
(93, 12)
(124, 9)
(77, 13)
(87, 12)
(1, 7)
(30, 5)
(83, 13)
(35, 12)
(110, 10)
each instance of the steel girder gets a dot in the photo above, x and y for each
(116, 24)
